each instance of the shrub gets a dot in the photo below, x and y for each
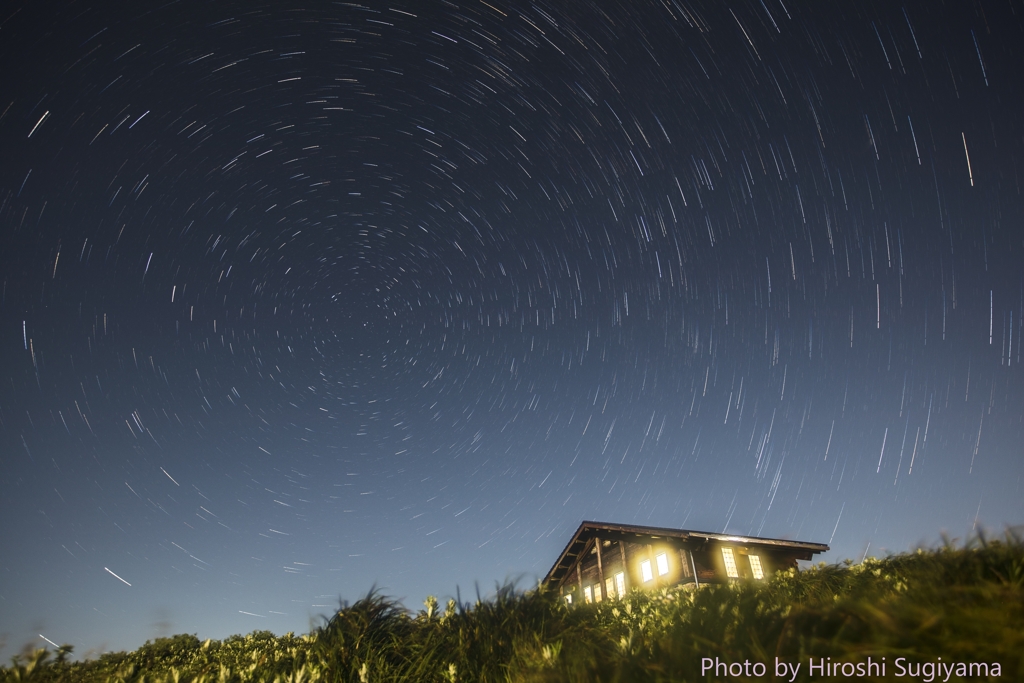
(960, 604)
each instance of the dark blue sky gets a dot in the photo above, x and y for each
(298, 301)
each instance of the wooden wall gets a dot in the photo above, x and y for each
(688, 562)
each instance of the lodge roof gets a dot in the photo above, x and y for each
(588, 530)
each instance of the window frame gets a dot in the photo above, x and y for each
(756, 568)
(729, 559)
(646, 571)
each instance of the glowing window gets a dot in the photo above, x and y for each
(755, 566)
(645, 570)
(588, 594)
(620, 584)
(730, 563)
(597, 592)
(568, 598)
(662, 561)
(609, 587)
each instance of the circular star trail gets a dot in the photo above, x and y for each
(302, 300)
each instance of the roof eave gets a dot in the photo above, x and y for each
(683, 534)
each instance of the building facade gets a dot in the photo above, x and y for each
(604, 561)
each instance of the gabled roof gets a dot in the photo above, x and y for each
(589, 530)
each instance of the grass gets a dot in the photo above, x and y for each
(960, 604)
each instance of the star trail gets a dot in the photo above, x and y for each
(302, 300)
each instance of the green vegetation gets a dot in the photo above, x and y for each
(961, 604)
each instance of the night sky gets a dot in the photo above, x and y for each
(302, 300)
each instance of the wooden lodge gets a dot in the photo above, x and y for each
(603, 561)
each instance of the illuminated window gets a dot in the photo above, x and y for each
(620, 584)
(662, 561)
(588, 594)
(597, 592)
(755, 566)
(645, 570)
(609, 587)
(730, 564)
(568, 598)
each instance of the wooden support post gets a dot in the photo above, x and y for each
(684, 564)
(579, 576)
(600, 567)
(650, 558)
(694, 565)
(625, 568)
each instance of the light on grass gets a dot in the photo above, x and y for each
(842, 609)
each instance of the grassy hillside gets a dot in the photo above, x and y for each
(920, 614)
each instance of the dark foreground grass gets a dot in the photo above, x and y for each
(920, 614)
